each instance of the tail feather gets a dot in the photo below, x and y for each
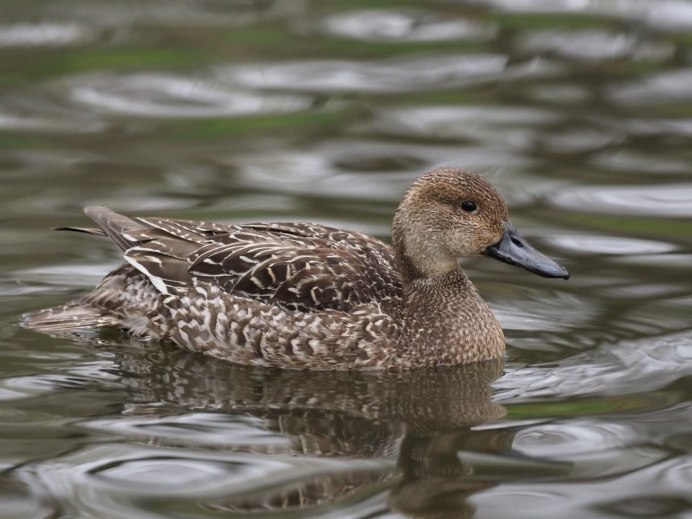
(113, 225)
(116, 226)
(87, 230)
(92, 312)
(68, 318)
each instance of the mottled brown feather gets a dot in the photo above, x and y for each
(307, 267)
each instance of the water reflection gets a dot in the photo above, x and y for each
(322, 437)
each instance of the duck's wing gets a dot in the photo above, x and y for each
(299, 266)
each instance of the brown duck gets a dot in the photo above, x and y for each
(298, 295)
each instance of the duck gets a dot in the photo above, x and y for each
(308, 296)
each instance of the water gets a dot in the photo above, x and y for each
(580, 113)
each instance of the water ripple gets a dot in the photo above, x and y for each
(594, 45)
(174, 13)
(403, 25)
(659, 88)
(656, 482)
(60, 121)
(161, 473)
(671, 200)
(432, 72)
(539, 310)
(664, 14)
(50, 34)
(160, 95)
(616, 245)
(200, 429)
(114, 480)
(624, 367)
(634, 161)
(335, 168)
(505, 126)
(569, 440)
(594, 448)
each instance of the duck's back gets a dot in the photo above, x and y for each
(297, 266)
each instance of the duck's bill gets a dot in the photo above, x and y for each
(515, 250)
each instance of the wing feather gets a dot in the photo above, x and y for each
(300, 266)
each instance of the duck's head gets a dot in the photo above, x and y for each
(450, 213)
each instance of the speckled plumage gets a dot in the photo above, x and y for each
(298, 295)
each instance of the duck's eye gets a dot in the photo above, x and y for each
(468, 206)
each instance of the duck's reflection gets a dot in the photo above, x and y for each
(420, 421)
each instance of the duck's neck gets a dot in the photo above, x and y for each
(434, 273)
(415, 257)
(445, 321)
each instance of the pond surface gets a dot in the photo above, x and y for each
(579, 112)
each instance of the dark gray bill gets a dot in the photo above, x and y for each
(515, 250)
